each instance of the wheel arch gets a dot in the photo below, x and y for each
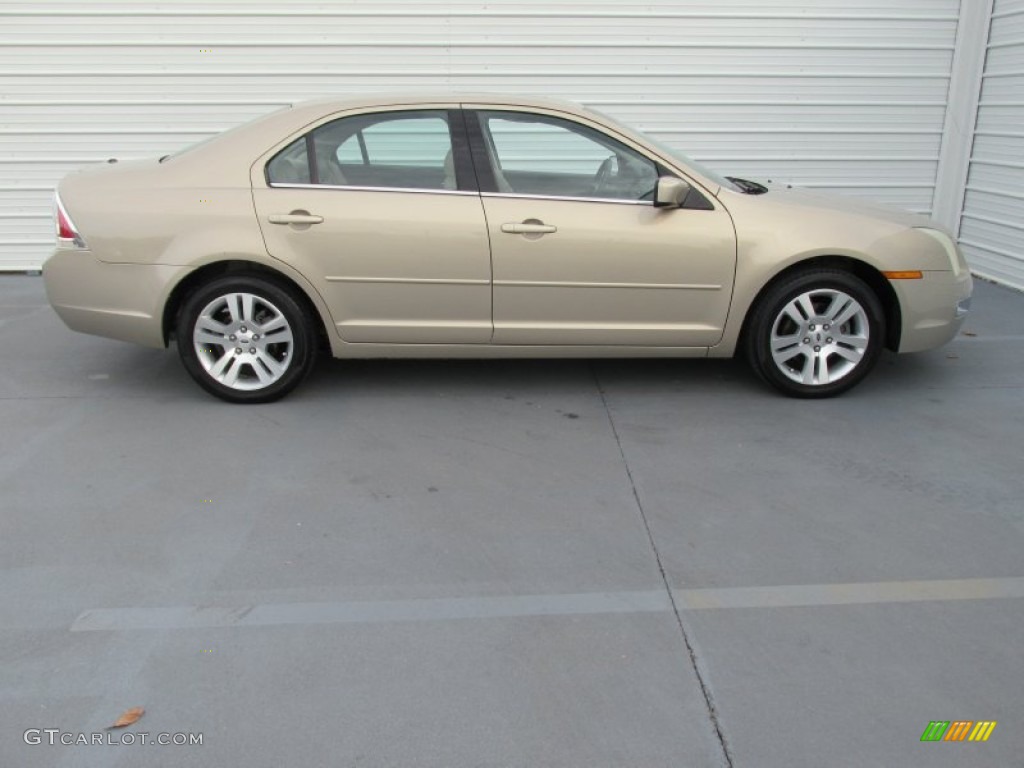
(240, 266)
(874, 279)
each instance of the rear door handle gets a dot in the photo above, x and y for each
(295, 217)
(529, 228)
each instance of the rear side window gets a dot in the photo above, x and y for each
(403, 150)
(421, 142)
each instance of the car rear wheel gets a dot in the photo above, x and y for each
(816, 334)
(246, 339)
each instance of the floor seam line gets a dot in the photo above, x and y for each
(691, 652)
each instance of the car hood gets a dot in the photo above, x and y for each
(782, 194)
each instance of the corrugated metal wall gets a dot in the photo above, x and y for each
(992, 227)
(841, 94)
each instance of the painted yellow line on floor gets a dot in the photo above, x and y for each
(849, 594)
(519, 606)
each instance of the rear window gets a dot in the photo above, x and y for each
(203, 142)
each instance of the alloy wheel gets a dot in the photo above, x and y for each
(243, 341)
(819, 337)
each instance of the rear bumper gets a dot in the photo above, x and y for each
(933, 308)
(119, 301)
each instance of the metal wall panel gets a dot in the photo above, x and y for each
(847, 95)
(992, 223)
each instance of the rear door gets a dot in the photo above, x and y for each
(380, 211)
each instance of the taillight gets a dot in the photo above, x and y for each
(67, 234)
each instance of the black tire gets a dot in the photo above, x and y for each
(265, 367)
(835, 359)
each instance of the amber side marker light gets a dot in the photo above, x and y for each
(911, 274)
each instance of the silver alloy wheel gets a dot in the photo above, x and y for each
(819, 337)
(243, 341)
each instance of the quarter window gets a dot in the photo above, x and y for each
(290, 165)
(539, 155)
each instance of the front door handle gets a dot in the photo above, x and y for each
(295, 217)
(532, 227)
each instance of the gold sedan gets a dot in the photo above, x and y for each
(485, 226)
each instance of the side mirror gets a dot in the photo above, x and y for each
(670, 192)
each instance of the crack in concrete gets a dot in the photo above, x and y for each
(690, 650)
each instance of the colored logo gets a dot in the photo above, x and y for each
(958, 730)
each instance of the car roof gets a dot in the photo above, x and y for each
(443, 97)
(258, 136)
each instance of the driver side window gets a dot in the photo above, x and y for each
(540, 155)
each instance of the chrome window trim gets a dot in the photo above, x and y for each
(353, 188)
(616, 201)
(415, 190)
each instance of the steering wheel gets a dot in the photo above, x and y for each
(604, 173)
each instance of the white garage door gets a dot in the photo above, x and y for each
(992, 227)
(840, 94)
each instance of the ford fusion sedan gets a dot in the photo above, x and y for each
(485, 226)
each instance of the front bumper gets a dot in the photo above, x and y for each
(933, 308)
(119, 301)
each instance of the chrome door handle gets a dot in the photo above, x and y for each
(529, 228)
(295, 217)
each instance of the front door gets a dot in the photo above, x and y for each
(580, 254)
(374, 210)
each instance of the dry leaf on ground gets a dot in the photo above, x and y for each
(128, 717)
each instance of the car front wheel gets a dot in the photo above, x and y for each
(816, 333)
(245, 339)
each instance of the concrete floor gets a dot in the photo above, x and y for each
(622, 564)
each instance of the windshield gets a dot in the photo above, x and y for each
(671, 152)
